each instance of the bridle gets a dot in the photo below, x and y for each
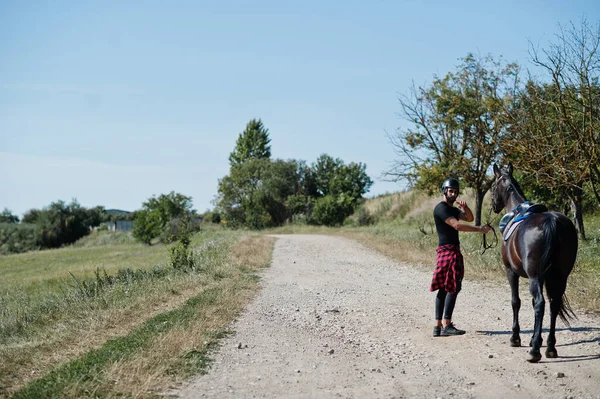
(489, 223)
(494, 242)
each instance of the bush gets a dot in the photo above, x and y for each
(18, 238)
(216, 218)
(60, 224)
(176, 229)
(181, 255)
(331, 211)
(145, 227)
(300, 219)
(155, 217)
(361, 217)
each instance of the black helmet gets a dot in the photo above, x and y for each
(453, 183)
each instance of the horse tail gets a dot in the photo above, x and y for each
(565, 312)
(552, 270)
(551, 242)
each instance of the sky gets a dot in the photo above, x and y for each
(112, 102)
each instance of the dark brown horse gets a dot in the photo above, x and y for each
(543, 248)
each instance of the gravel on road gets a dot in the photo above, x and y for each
(335, 319)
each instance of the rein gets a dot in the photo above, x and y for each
(494, 242)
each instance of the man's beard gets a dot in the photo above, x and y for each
(450, 200)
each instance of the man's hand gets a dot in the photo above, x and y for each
(485, 229)
(462, 205)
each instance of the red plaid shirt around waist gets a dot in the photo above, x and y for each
(450, 269)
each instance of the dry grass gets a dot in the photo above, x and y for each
(27, 359)
(31, 356)
(152, 370)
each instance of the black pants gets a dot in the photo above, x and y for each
(444, 304)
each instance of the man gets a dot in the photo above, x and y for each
(449, 272)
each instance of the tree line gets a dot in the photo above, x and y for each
(58, 224)
(486, 112)
(261, 192)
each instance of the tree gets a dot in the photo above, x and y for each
(545, 151)
(333, 177)
(457, 124)
(157, 213)
(573, 66)
(7, 217)
(252, 143)
(339, 188)
(60, 223)
(324, 169)
(254, 193)
(31, 216)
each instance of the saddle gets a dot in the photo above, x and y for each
(521, 212)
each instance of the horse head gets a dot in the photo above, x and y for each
(500, 187)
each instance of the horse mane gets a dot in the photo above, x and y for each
(514, 185)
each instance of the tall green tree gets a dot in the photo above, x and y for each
(254, 194)
(572, 64)
(545, 151)
(333, 177)
(252, 143)
(61, 223)
(325, 169)
(339, 189)
(455, 126)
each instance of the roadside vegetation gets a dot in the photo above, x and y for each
(121, 318)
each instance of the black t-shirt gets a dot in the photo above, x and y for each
(446, 233)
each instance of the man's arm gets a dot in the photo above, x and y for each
(456, 224)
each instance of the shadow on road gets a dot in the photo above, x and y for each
(545, 331)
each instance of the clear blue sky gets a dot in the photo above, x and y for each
(111, 102)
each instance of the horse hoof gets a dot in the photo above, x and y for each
(552, 354)
(534, 357)
(515, 343)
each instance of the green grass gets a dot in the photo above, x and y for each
(75, 322)
(45, 271)
(83, 376)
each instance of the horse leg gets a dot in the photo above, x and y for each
(555, 290)
(531, 340)
(551, 352)
(535, 287)
(513, 280)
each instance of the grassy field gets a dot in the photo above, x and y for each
(108, 317)
(132, 330)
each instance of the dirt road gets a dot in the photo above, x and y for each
(335, 319)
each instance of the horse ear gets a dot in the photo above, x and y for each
(496, 171)
(510, 169)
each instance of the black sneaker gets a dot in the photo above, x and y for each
(451, 330)
(437, 331)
